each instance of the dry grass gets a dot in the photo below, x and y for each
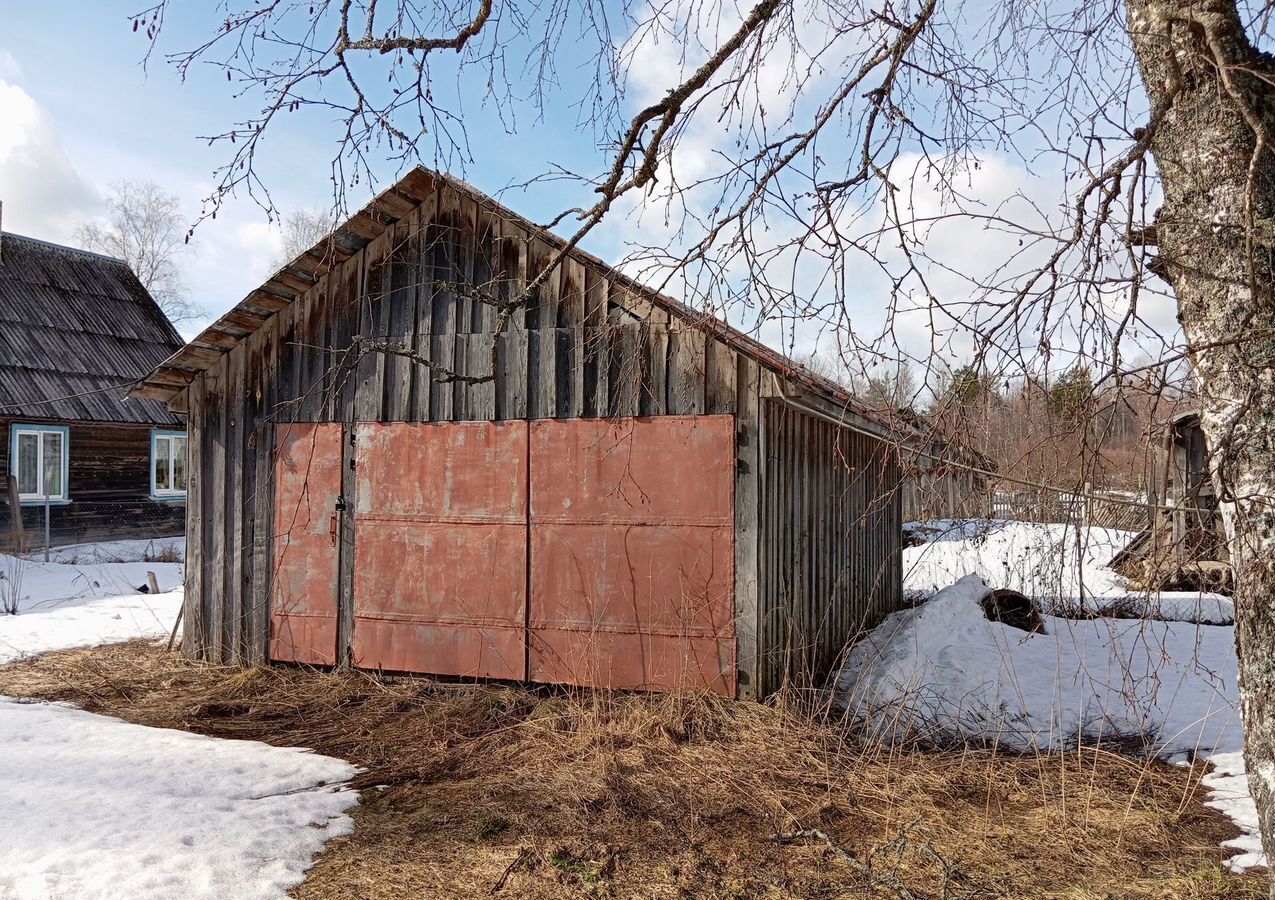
(524, 793)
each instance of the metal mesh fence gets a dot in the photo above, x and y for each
(38, 525)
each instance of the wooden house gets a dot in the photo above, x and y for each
(76, 328)
(638, 496)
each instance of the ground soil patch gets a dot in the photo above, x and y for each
(487, 790)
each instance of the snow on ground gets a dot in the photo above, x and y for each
(1063, 567)
(105, 621)
(945, 664)
(108, 809)
(944, 669)
(166, 549)
(1228, 783)
(63, 605)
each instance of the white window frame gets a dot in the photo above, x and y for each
(169, 493)
(18, 429)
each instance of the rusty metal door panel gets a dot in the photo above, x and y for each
(633, 606)
(470, 471)
(632, 552)
(440, 576)
(303, 606)
(664, 469)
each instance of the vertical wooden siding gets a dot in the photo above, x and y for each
(830, 539)
(583, 346)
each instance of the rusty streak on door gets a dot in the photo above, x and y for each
(440, 577)
(632, 552)
(303, 605)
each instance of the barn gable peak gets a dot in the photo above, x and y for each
(396, 204)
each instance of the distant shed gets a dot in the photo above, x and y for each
(643, 497)
(1180, 484)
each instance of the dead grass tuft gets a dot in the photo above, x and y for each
(475, 790)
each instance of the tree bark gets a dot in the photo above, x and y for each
(1212, 135)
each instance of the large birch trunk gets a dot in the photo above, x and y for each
(1216, 231)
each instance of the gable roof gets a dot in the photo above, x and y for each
(75, 329)
(393, 204)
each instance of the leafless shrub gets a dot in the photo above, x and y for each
(12, 569)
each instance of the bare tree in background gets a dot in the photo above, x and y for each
(144, 227)
(301, 230)
(786, 158)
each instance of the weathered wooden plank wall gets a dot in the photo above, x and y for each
(831, 542)
(939, 491)
(108, 481)
(586, 345)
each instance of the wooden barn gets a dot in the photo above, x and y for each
(76, 328)
(638, 496)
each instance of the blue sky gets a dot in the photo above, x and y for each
(81, 112)
(91, 114)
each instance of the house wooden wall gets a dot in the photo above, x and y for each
(108, 482)
(589, 345)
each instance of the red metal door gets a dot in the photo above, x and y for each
(632, 552)
(440, 576)
(303, 609)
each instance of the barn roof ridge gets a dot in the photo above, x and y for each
(391, 205)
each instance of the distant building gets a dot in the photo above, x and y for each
(75, 329)
(941, 478)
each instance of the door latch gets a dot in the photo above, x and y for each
(335, 521)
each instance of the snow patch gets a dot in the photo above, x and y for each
(108, 809)
(1228, 785)
(106, 621)
(63, 605)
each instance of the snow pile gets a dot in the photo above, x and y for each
(61, 605)
(945, 671)
(1064, 568)
(103, 808)
(944, 665)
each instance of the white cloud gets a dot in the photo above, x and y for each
(228, 258)
(47, 196)
(43, 192)
(10, 70)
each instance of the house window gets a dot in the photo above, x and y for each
(168, 464)
(38, 459)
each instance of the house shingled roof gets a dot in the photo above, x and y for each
(76, 328)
